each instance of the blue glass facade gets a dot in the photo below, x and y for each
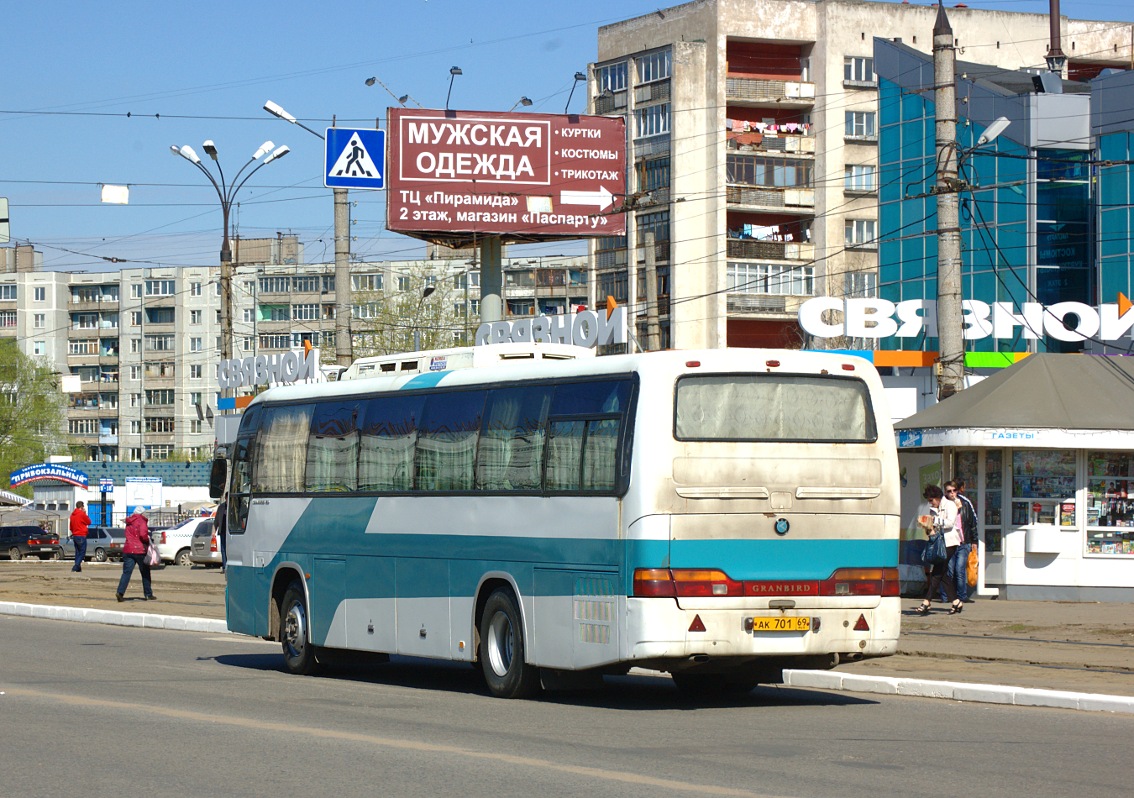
(1115, 214)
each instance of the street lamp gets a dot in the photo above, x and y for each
(524, 101)
(429, 289)
(226, 193)
(453, 72)
(344, 346)
(401, 99)
(579, 78)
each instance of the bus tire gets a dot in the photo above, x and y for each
(298, 651)
(502, 649)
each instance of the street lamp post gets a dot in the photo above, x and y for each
(344, 346)
(226, 193)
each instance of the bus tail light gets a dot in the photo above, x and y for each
(692, 582)
(862, 582)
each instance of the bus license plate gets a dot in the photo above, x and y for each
(780, 624)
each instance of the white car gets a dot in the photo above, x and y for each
(174, 544)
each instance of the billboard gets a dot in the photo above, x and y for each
(454, 175)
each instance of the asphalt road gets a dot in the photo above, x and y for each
(93, 710)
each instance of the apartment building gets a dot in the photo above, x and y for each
(137, 349)
(753, 149)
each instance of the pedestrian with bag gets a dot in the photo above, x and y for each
(957, 570)
(942, 541)
(79, 525)
(137, 552)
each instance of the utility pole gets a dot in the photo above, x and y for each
(653, 330)
(344, 347)
(951, 357)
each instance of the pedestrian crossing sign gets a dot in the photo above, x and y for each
(355, 158)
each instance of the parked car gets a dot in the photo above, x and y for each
(204, 546)
(174, 543)
(17, 542)
(103, 543)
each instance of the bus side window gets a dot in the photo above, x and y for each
(511, 441)
(332, 454)
(388, 437)
(582, 449)
(446, 443)
(280, 456)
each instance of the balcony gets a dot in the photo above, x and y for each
(651, 92)
(611, 105)
(758, 91)
(757, 197)
(751, 249)
(739, 304)
(755, 141)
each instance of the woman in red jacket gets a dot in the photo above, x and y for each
(134, 553)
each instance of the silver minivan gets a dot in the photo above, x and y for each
(204, 546)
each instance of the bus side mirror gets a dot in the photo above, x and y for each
(218, 477)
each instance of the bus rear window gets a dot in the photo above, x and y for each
(773, 407)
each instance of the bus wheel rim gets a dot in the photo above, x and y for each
(295, 630)
(500, 644)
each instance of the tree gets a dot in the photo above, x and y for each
(389, 321)
(32, 421)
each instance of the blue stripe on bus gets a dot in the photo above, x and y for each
(425, 380)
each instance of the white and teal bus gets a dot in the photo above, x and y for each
(718, 515)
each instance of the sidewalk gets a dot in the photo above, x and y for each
(1045, 645)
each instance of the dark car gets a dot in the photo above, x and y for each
(17, 542)
(103, 543)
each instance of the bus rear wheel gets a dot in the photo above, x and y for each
(298, 651)
(502, 649)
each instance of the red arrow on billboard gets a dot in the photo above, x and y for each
(601, 198)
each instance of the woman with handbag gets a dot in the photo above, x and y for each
(943, 539)
(134, 553)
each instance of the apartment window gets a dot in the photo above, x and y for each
(135, 372)
(7, 292)
(83, 426)
(249, 316)
(85, 347)
(194, 317)
(658, 223)
(329, 283)
(366, 282)
(135, 318)
(654, 66)
(159, 452)
(860, 232)
(246, 343)
(766, 171)
(39, 321)
(195, 344)
(249, 287)
(859, 69)
(194, 289)
(39, 348)
(136, 290)
(305, 284)
(218, 317)
(281, 341)
(861, 178)
(195, 372)
(860, 284)
(159, 397)
(161, 343)
(403, 282)
(195, 426)
(159, 425)
(371, 310)
(135, 345)
(474, 306)
(305, 312)
(39, 294)
(612, 77)
(135, 400)
(160, 287)
(7, 318)
(275, 312)
(218, 291)
(653, 174)
(194, 398)
(135, 427)
(275, 285)
(861, 125)
(764, 278)
(652, 120)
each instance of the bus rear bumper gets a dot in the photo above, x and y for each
(659, 631)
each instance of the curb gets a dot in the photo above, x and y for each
(114, 617)
(959, 691)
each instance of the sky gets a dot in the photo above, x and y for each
(95, 93)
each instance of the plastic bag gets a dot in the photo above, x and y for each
(971, 569)
(152, 556)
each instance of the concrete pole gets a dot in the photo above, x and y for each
(653, 329)
(491, 280)
(344, 350)
(951, 358)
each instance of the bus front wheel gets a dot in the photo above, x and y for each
(298, 652)
(502, 649)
